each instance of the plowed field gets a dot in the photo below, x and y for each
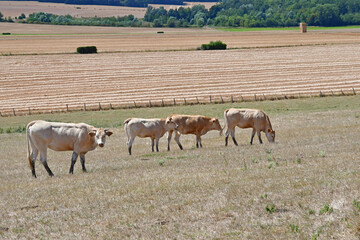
(50, 82)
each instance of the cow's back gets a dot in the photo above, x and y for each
(58, 136)
(245, 118)
(190, 123)
(146, 127)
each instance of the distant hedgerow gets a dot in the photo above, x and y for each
(218, 45)
(85, 50)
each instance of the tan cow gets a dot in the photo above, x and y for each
(79, 138)
(152, 128)
(192, 124)
(248, 118)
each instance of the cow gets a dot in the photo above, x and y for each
(192, 124)
(248, 118)
(77, 137)
(152, 128)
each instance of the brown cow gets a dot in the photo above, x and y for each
(192, 124)
(152, 128)
(79, 138)
(248, 118)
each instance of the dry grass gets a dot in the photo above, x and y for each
(215, 192)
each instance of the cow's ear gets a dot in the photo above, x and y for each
(108, 132)
(269, 130)
(214, 119)
(92, 133)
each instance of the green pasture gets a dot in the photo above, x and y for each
(115, 118)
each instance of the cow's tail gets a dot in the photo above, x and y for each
(126, 129)
(31, 162)
(225, 119)
(268, 122)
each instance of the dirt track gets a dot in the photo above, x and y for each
(49, 82)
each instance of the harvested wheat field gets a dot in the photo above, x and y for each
(59, 82)
(16, 8)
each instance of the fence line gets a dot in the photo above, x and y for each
(195, 100)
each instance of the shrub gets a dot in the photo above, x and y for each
(6, 33)
(85, 50)
(218, 45)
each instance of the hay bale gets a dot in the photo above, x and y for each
(303, 28)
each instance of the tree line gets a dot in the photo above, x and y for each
(228, 13)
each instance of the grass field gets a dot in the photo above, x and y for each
(306, 186)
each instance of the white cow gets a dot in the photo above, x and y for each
(248, 118)
(152, 128)
(77, 137)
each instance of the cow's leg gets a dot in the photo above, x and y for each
(152, 144)
(169, 139)
(32, 159)
(198, 141)
(130, 144)
(157, 144)
(82, 160)
(177, 139)
(73, 161)
(232, 132)
(259, 136)
(226, 136)
(252, 136)
(44, 162)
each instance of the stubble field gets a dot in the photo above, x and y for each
(306, 186)
(140, 65)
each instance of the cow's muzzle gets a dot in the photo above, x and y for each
(101, 145)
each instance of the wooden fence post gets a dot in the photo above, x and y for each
(85, 107)
(67, 107)
(150, 103)
(232, 99)
(354, 91)
(135, 104)
(100, 107)
(111, 107)
(264, 96)
(29, 111)
(174, 102)
(222, 100)
(197, 100)
(210, 98)
(185, 101)
(342, 92)
(255, 97)
(162, 103)
(14, 112)
(242, 99)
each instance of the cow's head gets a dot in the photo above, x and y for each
(100, 134)
(170, 124)
(216, 125)
(270, 134)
